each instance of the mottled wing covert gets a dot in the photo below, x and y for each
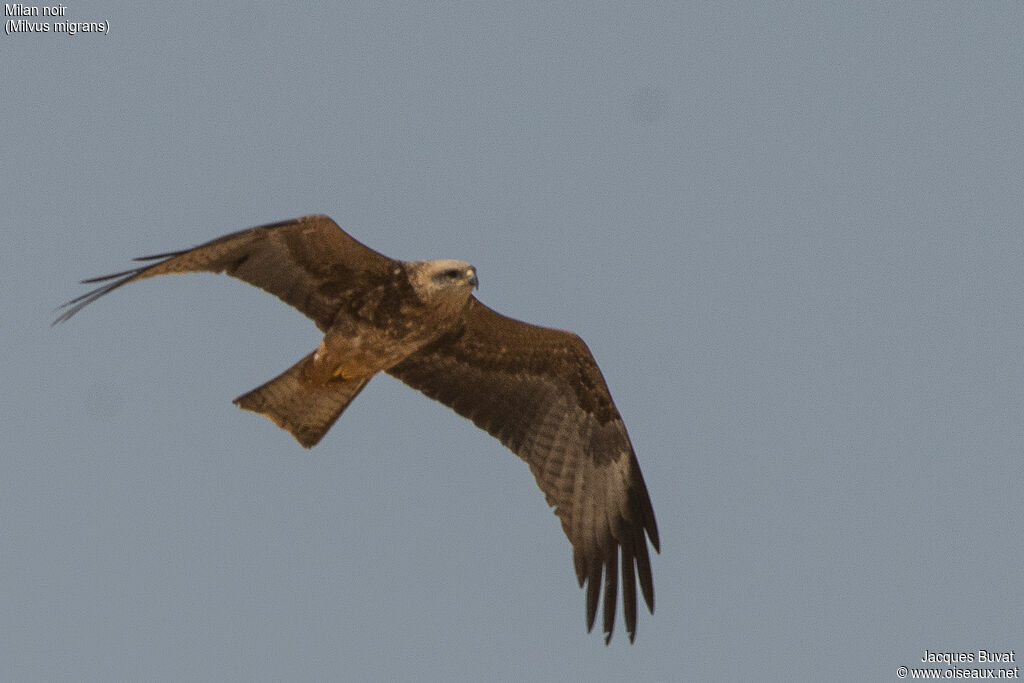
(307, 262)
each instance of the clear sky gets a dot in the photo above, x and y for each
(790, 233)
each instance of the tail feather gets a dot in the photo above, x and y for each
(305, 411)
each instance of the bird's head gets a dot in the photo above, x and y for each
(445, 281)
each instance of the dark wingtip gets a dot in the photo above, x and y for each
(79, 302)
(153, 257)
(123, 277)
(75, 305)
(113, 281)
(104, 278)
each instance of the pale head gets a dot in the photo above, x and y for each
(444, 282)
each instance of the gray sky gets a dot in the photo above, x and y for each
(790, 233)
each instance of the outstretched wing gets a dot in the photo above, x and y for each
(540, 392)
(307, 262)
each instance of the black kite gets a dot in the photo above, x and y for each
(537, 390)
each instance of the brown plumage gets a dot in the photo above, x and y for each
(537, 390)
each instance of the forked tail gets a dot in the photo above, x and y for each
(305, 411)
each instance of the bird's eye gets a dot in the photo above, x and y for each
(451, 273)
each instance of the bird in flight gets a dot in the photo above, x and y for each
(535, 389)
